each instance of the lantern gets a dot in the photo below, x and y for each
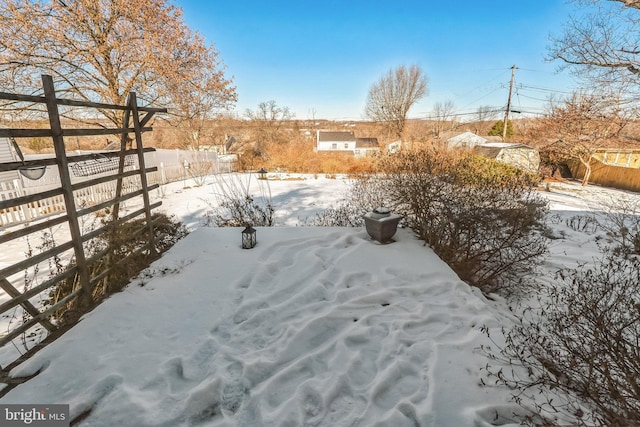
(248, 237)
(263, 173)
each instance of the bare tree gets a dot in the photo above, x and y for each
(102, 50)
(442, 113)
(390, 98)
(485, 113)
(601, 44)
(268, 119)
(197, 103)
(581, 125)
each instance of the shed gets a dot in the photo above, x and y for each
(521, 156)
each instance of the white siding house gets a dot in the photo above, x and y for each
(345, 142)
(335, 141)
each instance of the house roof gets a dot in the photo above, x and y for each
(493, 149)
(336, 136)
(467, 137)
(367, 143)
(504, 145)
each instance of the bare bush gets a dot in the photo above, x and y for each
(481, 217)
(367, 192)
(235, 206)
(578, 347)
(583, 223)
(198, 170)
(621, 223)
(113, 247)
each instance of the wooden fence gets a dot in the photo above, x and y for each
(612, 168)
(102, 173)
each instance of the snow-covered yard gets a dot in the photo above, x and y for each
(314, 326)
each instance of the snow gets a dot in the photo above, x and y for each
(313, 326)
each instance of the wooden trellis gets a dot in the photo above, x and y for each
(115, 162)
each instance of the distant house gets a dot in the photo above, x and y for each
(394, 147)
(366, 146)
(519, 155)
(465, 140)
(335, 141)
(345, 142)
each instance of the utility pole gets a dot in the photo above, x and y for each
(506, 113)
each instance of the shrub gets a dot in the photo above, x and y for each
(367, 192)
(481, 217)
(581, 340)
(234, 206)
(123, 242)
(621, 223)
(198, 170)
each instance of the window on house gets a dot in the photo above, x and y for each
(346, 145)
(334, 146)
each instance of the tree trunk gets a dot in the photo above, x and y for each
(587, 171)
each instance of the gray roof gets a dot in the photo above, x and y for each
(493, 149)
(467, 136)
(336, 136)
(367, 143)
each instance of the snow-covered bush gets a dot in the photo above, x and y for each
(482, 217)
(621, 223)
(367, 192)
(575, 355)
(235, 206)
(105, 253)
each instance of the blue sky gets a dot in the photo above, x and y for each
(320, 58)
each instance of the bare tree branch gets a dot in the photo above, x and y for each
(390, 99)
(103, 50)
(602, 43)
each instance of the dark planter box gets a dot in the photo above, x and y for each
(381, 226)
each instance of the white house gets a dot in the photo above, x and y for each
(394, 147)
(335, 141)
(345, 142)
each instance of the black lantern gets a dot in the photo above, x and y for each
(263, 173)
(248, 237)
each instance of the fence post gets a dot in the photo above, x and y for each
(143, 174)
(67, 191)
(123, 147)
